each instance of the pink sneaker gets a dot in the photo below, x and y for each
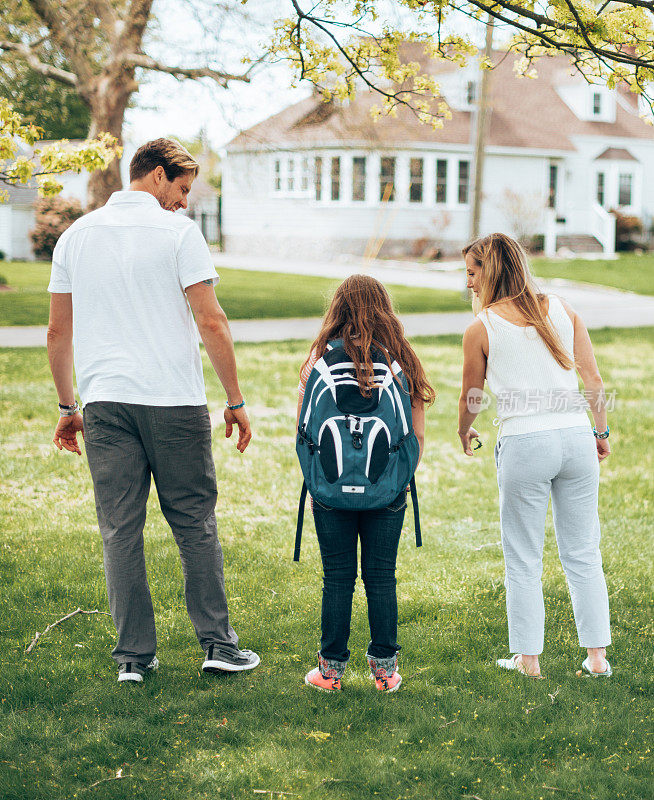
(387, 683)
(316, 679)
(385, 674)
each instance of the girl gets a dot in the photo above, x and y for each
(361, 315)
(527, 345)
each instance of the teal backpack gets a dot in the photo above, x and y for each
(355, 452)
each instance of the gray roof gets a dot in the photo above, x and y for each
(19, 194)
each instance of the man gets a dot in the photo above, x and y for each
(123, 278)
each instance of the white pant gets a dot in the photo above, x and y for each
(530, 467)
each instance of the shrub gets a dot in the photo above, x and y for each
(2, 255)
(628, 231)
(53, 216)
(3, 280)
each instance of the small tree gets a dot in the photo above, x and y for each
(524, 214)
(53, 216)
(44, 164)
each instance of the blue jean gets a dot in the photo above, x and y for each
(531, 467)
(338, 533)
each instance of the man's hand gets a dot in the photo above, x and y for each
(65, 436)
(240, 417)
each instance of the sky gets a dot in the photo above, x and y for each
(166, 106)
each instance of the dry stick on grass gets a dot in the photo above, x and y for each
(117, 777)
(488, 544)
(552, 697)
(52, 625)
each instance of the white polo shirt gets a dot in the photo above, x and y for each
(127, 265)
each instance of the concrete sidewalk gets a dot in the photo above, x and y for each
(598, 306)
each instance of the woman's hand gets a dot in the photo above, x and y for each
(603, 448)
(466, 440)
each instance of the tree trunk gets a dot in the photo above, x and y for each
(108, 99)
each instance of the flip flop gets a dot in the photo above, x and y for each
(512, 664)
(586, 668)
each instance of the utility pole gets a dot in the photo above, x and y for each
(481, 119)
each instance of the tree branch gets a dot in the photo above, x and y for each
(133, 25)
(52, 625)
(321, 24)
(53, 16)
(47, 70)
(146, 62)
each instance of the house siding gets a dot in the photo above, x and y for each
(257, 220)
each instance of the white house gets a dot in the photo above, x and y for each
(16, 221)
(323, 179)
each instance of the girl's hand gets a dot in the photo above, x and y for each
(466, 440)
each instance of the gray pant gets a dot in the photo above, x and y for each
(125, 445)
(530, 467)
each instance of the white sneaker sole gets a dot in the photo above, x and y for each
(215, 665)
(134, 677)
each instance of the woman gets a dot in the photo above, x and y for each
(527, 345)
(362, 317)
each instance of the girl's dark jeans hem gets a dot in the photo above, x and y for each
(338, 534)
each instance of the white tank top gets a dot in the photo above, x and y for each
(533, 392)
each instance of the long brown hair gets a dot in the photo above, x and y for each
(361, 309)
(505, 275)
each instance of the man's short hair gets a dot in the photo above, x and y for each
(167, 153)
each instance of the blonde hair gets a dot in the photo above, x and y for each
(167, 153)
(505, 275)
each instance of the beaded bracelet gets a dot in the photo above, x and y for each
(68, 411)
(236, 407)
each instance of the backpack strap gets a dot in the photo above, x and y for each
(416, 511)
(300, 521)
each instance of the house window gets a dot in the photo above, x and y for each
(304, 174)
(336, 178)
(600, 188)
(464, 181)
(597, 104)
(359, 178)
(277, 181)
(441, 180)
(553, 186)
(415, 180)
(625, 182)
(387, 179)
(290, 175)
(317, 177)
(471, 93)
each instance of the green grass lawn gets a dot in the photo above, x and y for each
(243, 295)
(634, 273)
(458, 728)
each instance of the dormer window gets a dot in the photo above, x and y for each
(597, 104)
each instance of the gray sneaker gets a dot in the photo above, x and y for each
(219, 658)
(134, 672)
